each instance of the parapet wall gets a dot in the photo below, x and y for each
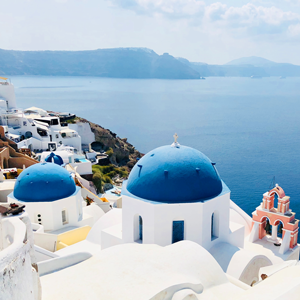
(18, 272)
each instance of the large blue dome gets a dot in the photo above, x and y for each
(43, 183)
(171, 174)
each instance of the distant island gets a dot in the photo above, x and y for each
(133, 63)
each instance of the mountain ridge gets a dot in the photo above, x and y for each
(114, 63)
(251, 60)
(133, 62)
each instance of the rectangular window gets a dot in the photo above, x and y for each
(64, 217)
(178, 231)
(54, 122)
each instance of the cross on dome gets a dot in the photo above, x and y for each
(175, 137)
(175, 144)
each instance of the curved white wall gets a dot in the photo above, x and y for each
(18, 277)
(239, 263)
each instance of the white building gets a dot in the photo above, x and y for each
(84, 130)
(175, 193)
(54, 205)
(34, 128)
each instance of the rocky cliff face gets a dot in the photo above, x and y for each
(120, 152)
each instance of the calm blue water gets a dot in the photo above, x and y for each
(249, 127)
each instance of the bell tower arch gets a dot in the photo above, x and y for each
(281, 220)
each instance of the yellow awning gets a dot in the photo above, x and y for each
(3, 78)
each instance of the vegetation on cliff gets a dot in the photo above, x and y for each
(122, 156)
(105, 174)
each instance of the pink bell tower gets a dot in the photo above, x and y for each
(267, 215)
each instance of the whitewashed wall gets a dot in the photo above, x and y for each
(84, 130)
(51, 212)
(158, 220)
(18, 276)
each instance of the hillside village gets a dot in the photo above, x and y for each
(80, 206)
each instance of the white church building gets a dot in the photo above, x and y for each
(175, 193)
(55, 206)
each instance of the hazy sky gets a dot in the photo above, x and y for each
(205, 31)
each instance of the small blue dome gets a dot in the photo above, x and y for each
(171, 174)
(52, 157)
(43, 183)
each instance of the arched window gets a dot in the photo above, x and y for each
(138, 228)
(267, 226)
(212, 226)
(214, 230)
(275, 200)
(279, 229)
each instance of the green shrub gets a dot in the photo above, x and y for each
(72, 121)
(111, 174)
(107, 169)
(97, 180)
(106, 179)
(123, 173)
(108, 172)
(96, 168)
(110, 152)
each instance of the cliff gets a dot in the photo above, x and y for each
(120, 152)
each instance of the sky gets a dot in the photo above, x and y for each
(201, 31)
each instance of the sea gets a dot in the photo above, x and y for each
(249, 127)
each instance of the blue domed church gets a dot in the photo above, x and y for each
(50, 196)
(175, 193)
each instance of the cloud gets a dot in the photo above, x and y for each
(166, 8)
(294, 30)
(295, 2)
(248, 19)
(254, 19)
